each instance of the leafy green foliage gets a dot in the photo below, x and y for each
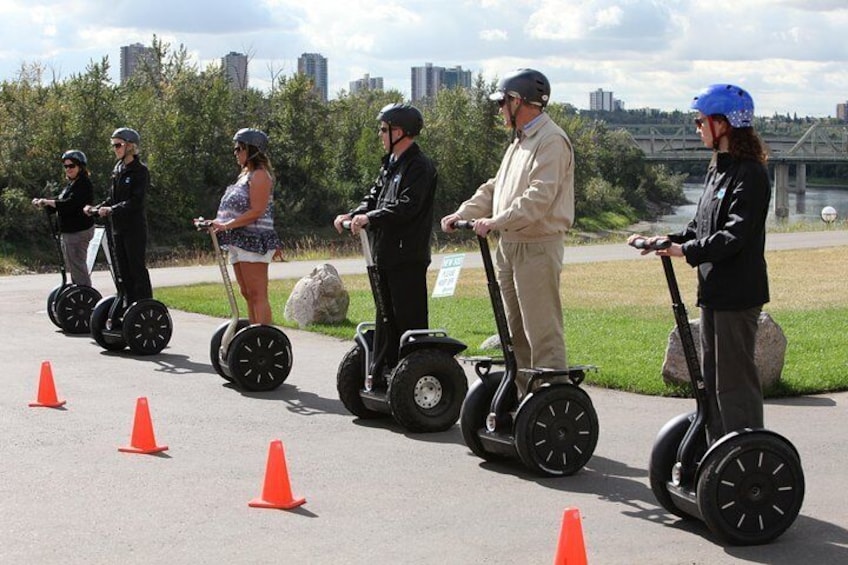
(325, 155)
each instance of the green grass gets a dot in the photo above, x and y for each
(618, 317)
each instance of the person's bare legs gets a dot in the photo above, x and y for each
(253, 282)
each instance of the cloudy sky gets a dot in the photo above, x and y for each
(791, 54)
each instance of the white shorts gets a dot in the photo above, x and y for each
(239, 255)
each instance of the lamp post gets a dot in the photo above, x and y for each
(829, 215)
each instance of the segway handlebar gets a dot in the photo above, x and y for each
(643, 243)
(202, 223)
(463, 225)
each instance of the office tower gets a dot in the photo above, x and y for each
(456, 78)
(600, 100)
(366, 83)
(314, 65)
(135, 57)
(842, 111)
(235, 69)
(427, 80)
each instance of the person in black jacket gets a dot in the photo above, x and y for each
(125, 206)
(75, 225)
(398, 213)
(726, 242)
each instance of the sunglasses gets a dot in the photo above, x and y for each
(69, 165)
(118, 145)
(503, 101)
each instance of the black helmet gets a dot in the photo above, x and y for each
(404, 116)
(529, 85)
(75, 155)
(254, 137)
(127, 134)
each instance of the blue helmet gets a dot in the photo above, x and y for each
(730, 101)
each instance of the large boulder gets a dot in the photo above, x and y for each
(769, 353)
(318, 298)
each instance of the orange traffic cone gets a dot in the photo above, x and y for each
(142, 440)
(570, 549)
(46, 389)
(277, 491)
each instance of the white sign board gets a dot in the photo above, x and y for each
(448, 275)
(93, 246)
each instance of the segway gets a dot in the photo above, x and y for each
(748, 486)
(553, 429)
(69, 305)
(144, 326)
(256, 357)
(424, 391)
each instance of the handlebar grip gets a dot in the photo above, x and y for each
(463, 225)
(642, 243)
(346, 224)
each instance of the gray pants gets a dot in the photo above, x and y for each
(75, 250)
(734, 393)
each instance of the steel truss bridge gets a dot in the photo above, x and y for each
(822, 143)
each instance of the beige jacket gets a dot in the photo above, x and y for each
(532, 196)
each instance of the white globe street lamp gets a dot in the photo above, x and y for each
(829, 215)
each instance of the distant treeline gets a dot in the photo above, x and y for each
(324, 154)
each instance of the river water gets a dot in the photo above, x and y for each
(802, 207)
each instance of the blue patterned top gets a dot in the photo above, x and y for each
(258, 237)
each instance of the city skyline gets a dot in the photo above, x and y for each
(653, 53)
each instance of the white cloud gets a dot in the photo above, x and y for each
(493, 35)
(656, 53)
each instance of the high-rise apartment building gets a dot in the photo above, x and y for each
(314, 65)
(456, 78)
(842, 111)
(427, 80)
(366, 83)
(604, 101)
(135, 57)
(235, 69)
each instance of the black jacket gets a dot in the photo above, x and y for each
(400, 210)
(70, 202)
(126, 196)
(726, 239)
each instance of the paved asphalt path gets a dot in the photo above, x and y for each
(375, 494)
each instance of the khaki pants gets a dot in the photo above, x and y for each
(529, 275)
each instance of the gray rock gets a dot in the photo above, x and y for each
(318, 298)
(491, 342)
(769, 353)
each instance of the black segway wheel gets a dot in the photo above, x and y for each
(73, 308)
(260, 358)
(475, 408)
(751, 488)
(51, 304)
(147, 327)
(97, 325)
(556, 430)
(215, 346)
(426, 391)
(663, 458)
(350, 380)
